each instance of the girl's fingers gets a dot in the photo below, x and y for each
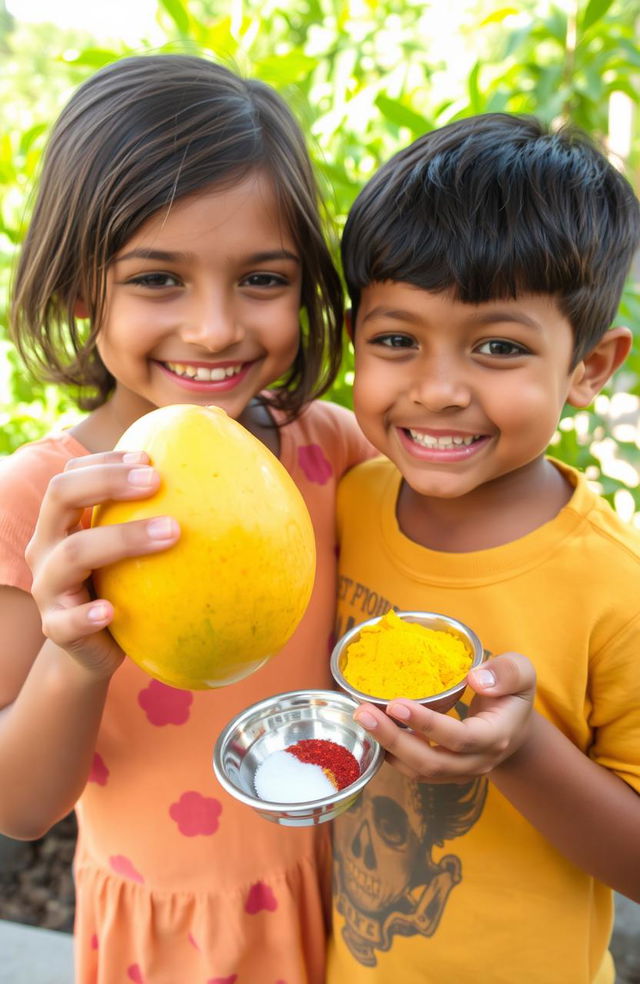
(65, 626)
(71, 561)
(108, 458)
(73, 491)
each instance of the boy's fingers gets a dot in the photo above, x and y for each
(509, 673)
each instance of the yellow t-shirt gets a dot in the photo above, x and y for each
(449, 883)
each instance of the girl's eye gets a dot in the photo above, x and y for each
(501, 347)
(263, 280)
(394, 341)
(155, 280)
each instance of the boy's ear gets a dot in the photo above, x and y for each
(348, 323)
(593, 371)
(80, 309)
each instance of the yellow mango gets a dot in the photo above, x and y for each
(213, 608)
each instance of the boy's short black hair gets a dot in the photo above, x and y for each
(497, 205)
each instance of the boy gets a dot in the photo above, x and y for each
(485, 265)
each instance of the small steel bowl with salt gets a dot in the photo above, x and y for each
(445, 697)
(287, 757)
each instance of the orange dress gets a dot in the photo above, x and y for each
(176, 882)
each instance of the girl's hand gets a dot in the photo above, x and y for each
(438, 747)
(62, 555)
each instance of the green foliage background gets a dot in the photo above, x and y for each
(365, 77)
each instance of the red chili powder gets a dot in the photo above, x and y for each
(337, 761)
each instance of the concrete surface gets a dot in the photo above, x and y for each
(29, 955)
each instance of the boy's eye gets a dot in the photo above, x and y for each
(394, 341)
(501, 347)
(155, 280)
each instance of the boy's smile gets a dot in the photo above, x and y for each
(460, 395)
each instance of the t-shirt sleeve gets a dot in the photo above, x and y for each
(24, 477)
(615, 704)
(342, 437)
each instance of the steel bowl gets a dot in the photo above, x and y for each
(442, 701)
(277, 722)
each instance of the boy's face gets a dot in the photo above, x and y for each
(459, 395)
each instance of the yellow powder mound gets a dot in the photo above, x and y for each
(395, 658)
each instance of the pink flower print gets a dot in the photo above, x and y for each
(94, 941)
(123, 866)
(260, 897)
(223, 980)
(164, 704)
(99, 772)
(193, 941)
(135, 974)
(196, 814)
(314, 464)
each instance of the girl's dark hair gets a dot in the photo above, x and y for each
(496, 205)
(138, 135)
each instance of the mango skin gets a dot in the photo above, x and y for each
(213, 608)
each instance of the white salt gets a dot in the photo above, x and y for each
(283, 778)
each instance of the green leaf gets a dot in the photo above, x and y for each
(595, 11)
(178, 14)
(401, 114)
(93, 57)
(497, 16)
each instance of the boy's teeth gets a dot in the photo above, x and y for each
(446, 441)
(203, 373)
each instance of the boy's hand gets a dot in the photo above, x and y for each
(62, 555)
(440, 748)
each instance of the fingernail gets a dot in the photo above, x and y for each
(98, 612)
(400, 711)
(141, 477)
(484, 677)
(366, 720)
(162, 528)
(133, 457)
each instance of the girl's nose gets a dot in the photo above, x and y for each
(211, 323)
(439, 386)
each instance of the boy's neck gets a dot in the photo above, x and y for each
(493, 514)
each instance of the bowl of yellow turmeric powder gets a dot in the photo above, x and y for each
(424, 656)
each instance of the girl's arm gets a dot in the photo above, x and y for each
(52, 691)
(587, 812)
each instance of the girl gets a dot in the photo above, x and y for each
(176, 214)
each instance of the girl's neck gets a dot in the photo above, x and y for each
(492, 515)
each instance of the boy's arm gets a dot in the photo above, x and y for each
(587, 812)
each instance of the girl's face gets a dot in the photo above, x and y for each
(202, 304)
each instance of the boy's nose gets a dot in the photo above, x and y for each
(439, 387)
(210, 322)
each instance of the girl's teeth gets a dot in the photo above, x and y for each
(446, 441)
(203, 373)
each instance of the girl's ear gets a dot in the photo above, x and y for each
(80, 309)
(597, 367)
(348, 323)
